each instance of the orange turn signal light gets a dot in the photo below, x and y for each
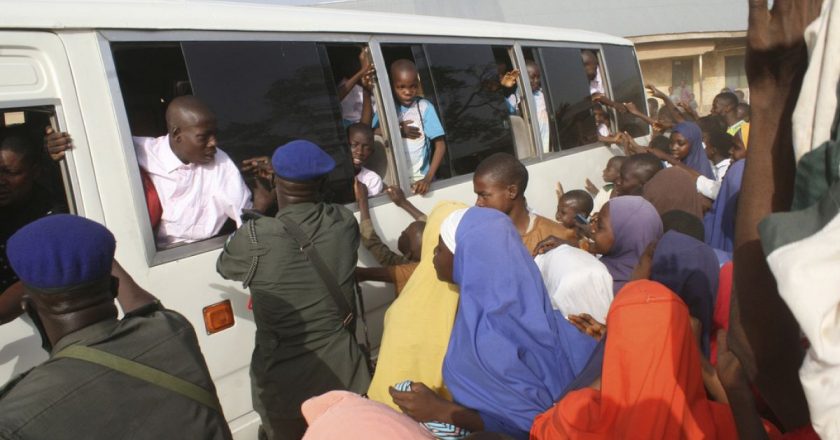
(218, 317)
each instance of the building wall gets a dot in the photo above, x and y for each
(706, 84)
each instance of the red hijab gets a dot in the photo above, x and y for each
(651, 385)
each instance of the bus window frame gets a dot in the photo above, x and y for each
(69, 179)
(385, 87)
(537, 44)
(605, 64)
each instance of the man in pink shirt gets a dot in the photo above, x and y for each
(199, 186)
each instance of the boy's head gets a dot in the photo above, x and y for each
(719, 146)
(533, 74)
(661, 143)
(360, 137)
(499, 182)
(653, 106)
(404, 81)
(724, 104)
(635, 173)
(410, 242)
(590, 63)
(570, 205)
(600, 114)
(613, 169)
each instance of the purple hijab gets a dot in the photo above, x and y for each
(720, 221)
(690, 269)
(510, 355)
(635, 224)
(696, 158)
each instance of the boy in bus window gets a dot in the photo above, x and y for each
(592, 67)
(361, 147)
(419, 125)
(354, 93)
(539, 99)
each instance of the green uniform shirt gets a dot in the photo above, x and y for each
(67, 398)
(301, 350)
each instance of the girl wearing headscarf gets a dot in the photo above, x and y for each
(687, 147)
(623, 230)
(719, 223)
(689, 268)
(510, 355)
(418, 323)
(576, 282)
(674, 189)
(651, 386)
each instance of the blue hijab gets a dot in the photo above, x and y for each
(690, 269)
(720, 221)
(696, 158)
(510, 355)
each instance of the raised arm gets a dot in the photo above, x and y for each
(398, 197)
(351, 82)
(656, 93)
(763, 332)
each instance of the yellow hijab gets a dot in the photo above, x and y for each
(418, 323)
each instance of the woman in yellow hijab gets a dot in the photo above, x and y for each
(418, 323)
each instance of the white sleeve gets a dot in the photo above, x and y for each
(708, 187)
(235, 195)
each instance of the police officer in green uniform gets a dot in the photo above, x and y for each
(304, 343)
(140, 377)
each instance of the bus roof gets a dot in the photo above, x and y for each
(214, 15)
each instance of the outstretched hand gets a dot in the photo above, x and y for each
(259, 167)
(656, 93)
(587, 324)
(550, 243)
(591, 188)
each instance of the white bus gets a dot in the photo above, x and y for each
(104, 72)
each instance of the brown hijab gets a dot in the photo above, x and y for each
(675, 189)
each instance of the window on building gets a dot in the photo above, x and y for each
(736, 75)
(627, 86)
(457, 80)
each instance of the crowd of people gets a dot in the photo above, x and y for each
(648, 308)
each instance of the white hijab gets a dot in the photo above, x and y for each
(576, 282)
(449, 227)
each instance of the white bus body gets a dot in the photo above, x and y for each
(58, 56)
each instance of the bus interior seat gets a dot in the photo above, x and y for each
(380, 162)
(521, 137)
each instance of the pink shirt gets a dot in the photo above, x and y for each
(196, 199)
(371, 180)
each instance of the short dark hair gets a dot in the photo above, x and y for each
(711, 123)
(729, 97)
(19, 140)
(582, 199)
(504, 168)
(683, 222)
(722, 142)
(359, 126)
(645, 165)
(661, 143)
(617, 161)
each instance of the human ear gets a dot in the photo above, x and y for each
(513, 191)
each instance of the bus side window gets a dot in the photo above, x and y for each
(462, 79)
(626, 81)
(352, 72)
(568, 99)
(31, 184)
(266, 94)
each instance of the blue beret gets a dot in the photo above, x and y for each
(301, 160)
(61, 250)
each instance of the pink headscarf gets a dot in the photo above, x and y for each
(342, 414)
